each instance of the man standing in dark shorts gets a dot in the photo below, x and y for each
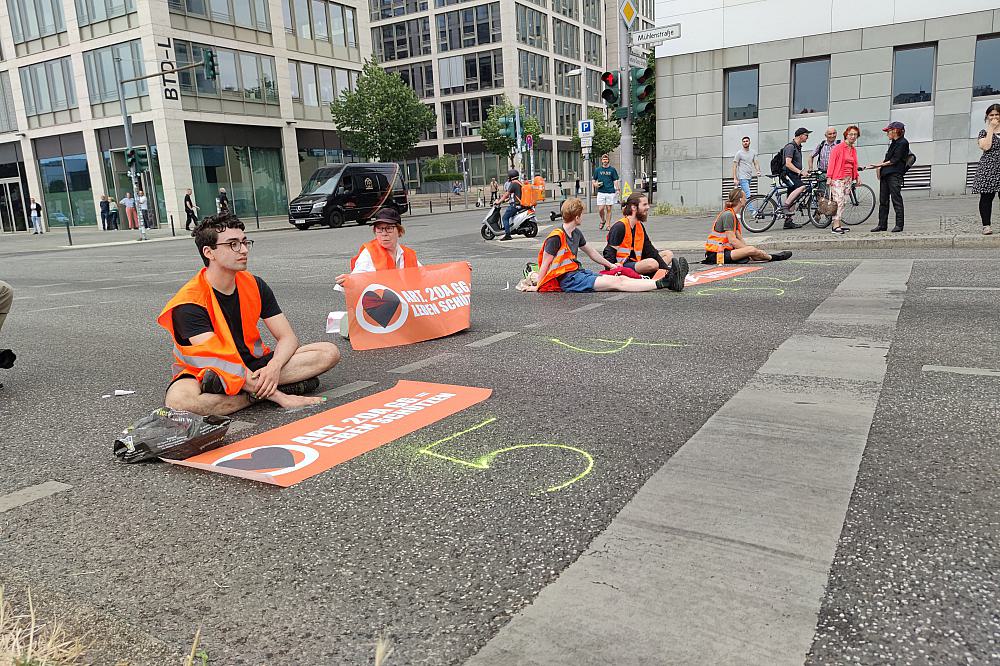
(220, 363)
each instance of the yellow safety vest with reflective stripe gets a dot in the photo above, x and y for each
(717, 241)
(219, 352)
(564, 262)
(632, 243)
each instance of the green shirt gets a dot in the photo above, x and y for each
(606, 176)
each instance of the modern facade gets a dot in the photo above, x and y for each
(931, 65)
(257, 130)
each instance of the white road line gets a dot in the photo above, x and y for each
(585, 308)
(30, 494)
(963, 288)
(985, 372)
(23, 298)
(55, 284)
(346, 389)
(67, 293)
(486, 342)
(310, 277)
(617, 297)
(59, 307)
(417, 365)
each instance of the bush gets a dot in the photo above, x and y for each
(442, 177)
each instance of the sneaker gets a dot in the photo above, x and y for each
(7, 358)
(675, 278)
(781, 256)
(987, 230)
(212, 383)
(839, 231)
(300, 388)
(507, 238)
(685, 267)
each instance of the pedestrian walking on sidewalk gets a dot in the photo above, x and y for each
(890, 174)
(987, 181)
(190, 211)
(745, 167)
(494, 190)
(35, 209)
(143, 208)
(105, 213)
(842, 172)
(130, 213)
(223, 200)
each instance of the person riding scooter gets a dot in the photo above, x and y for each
(513, 193)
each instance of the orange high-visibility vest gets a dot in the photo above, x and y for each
(631, 243)
(717, 241)
(219, 352)
(564, 262)
(382, 259)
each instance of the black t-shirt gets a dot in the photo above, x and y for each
(188, 204)
(191, 320)
(616, 236)
(514, 188)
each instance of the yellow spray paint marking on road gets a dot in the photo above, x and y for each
(774, 279)
(485, 461)
(631, 342)
(711, 291)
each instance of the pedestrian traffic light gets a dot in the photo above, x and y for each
(211, 66)
(641, 90)
(612, 93)
(508, 127)
(132, 159)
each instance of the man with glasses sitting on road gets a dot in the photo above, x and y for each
(220, 363)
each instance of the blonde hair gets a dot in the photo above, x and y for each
(572, 208)
(735, 195)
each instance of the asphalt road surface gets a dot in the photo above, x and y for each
(799, 466)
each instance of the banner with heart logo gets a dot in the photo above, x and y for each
(407, 305)
(286, 455)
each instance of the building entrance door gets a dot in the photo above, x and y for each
(12, 217)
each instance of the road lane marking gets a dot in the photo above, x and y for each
(423, 363)
(486, 342)
(346, 389)
(55, 284)
(985, 372)
(616, 297)
(30, 494)
(66, 307)
(310, 277)
(67, 293)
(23, 298)
(963, 288)
(585, 308)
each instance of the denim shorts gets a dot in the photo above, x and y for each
(577, 281)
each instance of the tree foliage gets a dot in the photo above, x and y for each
(382, 119)
(607, 133)
(495, 142)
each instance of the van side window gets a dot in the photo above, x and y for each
(347, 183)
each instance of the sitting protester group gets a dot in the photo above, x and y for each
(725, 244)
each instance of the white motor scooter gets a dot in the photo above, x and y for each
(523, 223)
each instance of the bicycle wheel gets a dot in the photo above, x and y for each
(860, 205)
(759, 213)
(819, 220)
(798, 220)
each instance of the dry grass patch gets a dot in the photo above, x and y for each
(27, 641)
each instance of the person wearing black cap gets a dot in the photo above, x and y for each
(793, 173)
(384, 252)
(890, 173)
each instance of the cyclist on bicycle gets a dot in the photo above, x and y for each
(726, 237)
(792, 173)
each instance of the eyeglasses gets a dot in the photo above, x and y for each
(235, 245)
(384, 230)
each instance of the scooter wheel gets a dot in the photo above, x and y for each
(487, 232)
(530, 230)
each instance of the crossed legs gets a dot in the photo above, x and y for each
(650, 266)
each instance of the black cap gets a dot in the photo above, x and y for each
(387, 214)
(802, 130)
(894, 125)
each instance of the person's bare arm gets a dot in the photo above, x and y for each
(756, 165)
(597, 257)
(734, 239)
(547, 260)
(287, 343)
(735, 182)
(987, 141)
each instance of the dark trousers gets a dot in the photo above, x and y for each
(986, 206)
(890, 188)
(191, 219)
(105, 225)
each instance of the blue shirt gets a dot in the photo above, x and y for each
(606, 176)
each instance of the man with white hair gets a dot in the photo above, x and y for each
(822, 151)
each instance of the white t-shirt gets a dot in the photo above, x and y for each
(143, 202)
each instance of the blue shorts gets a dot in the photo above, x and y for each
(578, 280)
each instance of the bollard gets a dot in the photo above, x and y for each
(257, 215)
(430, 204)
(172, 231)
(449, 204)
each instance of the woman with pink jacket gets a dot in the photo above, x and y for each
(842, 172)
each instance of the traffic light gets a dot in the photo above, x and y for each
(508, 128)
(132, 160)
(641, 90)
(142, 160)
(211, 66)
(612, 93)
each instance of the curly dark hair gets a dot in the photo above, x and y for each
(206, 234)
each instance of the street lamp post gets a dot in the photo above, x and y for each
(580, 71)
(465, 164)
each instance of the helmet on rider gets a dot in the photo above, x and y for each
(513, 174)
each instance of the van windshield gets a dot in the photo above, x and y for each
(321, 182)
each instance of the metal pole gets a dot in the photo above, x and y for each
(465, 164)
(173, 232)
(69, 235)
(628, 162)
(127, 127)
(588, 172)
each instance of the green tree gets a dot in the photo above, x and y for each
(607, 133)
(382, 119)
(495, 142)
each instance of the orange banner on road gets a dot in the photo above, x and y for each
(286, 455)
(716, 274)
(407, 305)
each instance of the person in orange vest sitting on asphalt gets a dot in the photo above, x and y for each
(220, 363)
(384, 252)
(725, 240)
(628, 243)
(560, 270)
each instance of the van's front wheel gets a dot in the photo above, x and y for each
(336, 220)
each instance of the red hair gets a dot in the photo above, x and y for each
(852, 127)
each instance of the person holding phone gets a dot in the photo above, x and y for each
(987, 181)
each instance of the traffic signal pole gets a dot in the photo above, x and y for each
(627, 171)
(127, 126)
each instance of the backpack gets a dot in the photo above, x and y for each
(910, 160)
(778, 161)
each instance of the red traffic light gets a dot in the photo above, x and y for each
(609, 78)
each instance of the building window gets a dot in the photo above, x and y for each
(320, 20)
(418, 75)
(567, 86)
(251, 14)
(538, 107)
(592, 10)
(383, 9)
(318, 85)
(472, 111)
(593, 47)
(245, 76)
(569, 8)
(8, 120)
(565, 39)
(432, 133)
(471, 72)
(404, 39)
(48, 87)
(567, 116)
(475, 26)
(741, 94)
(102, 81)
(811, 86)
(532, 71)
(253, 177)
(448, 3)
(92, 11)
(34, 19)
(531, 27)
(913, 75)
(594, 86)
(986, 77)
(540, 3)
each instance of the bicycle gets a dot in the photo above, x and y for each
(766, 209)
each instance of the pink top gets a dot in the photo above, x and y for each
(843, 162)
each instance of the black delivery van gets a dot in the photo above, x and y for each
(352, 192)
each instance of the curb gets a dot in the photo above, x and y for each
(946, 241)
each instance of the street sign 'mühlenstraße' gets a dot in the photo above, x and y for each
(654, 36)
